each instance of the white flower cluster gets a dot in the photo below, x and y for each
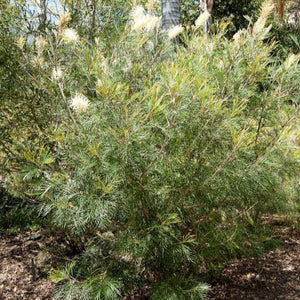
(202, 19)
(57, 73)
(142, 20)
(267, 8)
(79, 103)
(291, 60)
(239, 37)
(20, 42)
(64, 20)
(175, 31)
(38, 61)
(70, 35)
(40, 44)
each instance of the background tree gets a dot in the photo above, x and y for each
(42, 15)
(170, 13)
(280, 9)
(92, 9)
(206, 6)
(235, 10)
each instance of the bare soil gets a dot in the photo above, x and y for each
(24, 265)
(276, 275)
(23, 270)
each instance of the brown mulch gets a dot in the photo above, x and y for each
(23, 270)
(276, 275)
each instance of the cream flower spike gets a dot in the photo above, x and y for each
(267, 8)
(57, 73)
(140, 23)
(64, 20)
(152, 22)
(70, 35)
(40, 44)
(202, 19)
(79, 103)
(291, 60)
(150, 5)
(20, 42)
(175, 31)
(142, 20)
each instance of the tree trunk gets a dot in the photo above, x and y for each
(206, 6)
(170, 13)
(280, 7)
(43, 16)
(91, 6)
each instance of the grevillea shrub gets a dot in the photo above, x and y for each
(161, 161)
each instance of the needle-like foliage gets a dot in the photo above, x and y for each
(161, 162)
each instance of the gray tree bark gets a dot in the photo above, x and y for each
(42, 15)
(91, 7)
(206, 5)
(170, 13)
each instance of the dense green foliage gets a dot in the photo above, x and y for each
(235, 10)
(157, 163)
(287, 37)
